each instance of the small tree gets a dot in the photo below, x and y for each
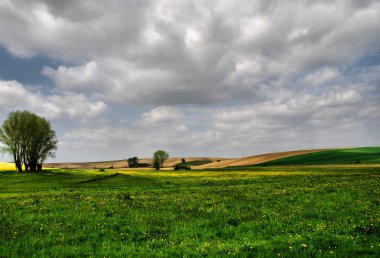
(159, 157)
(133, 162)
(183, 160)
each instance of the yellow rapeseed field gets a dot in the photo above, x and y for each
(7, 166)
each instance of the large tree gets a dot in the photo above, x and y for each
(159, 157)
(29, 138)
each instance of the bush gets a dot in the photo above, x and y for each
(102, 170)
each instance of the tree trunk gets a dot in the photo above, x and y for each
(33, 166)
(18, 166)
(39, 167)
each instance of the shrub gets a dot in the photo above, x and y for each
(102, 170)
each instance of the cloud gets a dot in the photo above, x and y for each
(69, 31)
(169, 53)
(16, 96)
(322, 76)
(201, 76)
(297, 110)
(332, 118)
(140, 140)
(73, 78)
(162, 115)
(297, 121)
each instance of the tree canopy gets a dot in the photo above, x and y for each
(29, 138)
(159, 157)
(133, 162)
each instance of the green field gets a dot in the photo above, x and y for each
(260, 212)
(367, 155)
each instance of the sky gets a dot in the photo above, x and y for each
(123, 78)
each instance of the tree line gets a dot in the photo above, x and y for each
(29, 138)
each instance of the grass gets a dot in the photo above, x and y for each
(367, 155)
(260, 212)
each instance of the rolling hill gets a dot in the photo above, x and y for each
(124, 163)
(366, 155)
(252, 160)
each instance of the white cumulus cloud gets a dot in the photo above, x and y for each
(15, 96)
(204, 76)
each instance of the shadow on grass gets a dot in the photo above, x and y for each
(100, 178)
(7, 172)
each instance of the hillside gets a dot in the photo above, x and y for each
(124, 163)
(366, 155)
(215, 162)
(252, 160)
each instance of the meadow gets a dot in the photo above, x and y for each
(250, 212)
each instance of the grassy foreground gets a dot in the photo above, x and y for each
(262, 212)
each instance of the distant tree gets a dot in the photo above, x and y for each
(183, 160)
(159, 157)
(29, 138)
(133, 162)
